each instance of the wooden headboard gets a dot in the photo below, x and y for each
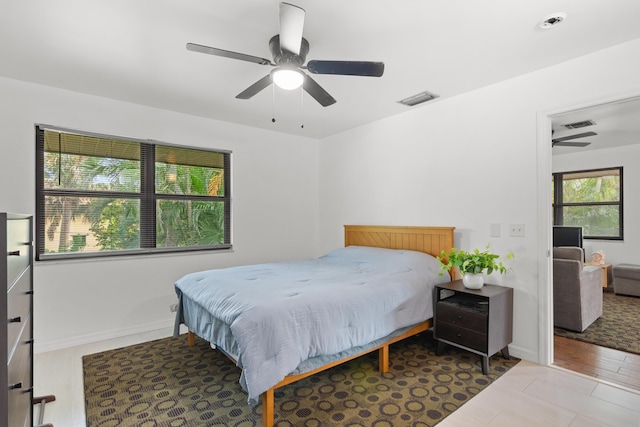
(431, 240)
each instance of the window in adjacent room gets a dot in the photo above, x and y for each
(100, 195)
(591, 199)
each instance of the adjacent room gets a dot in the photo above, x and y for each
(596, 316)
(146, 142)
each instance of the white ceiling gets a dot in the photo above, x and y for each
(616, 124)
(134, 50)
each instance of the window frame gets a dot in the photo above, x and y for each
(558, 203)
(147, 197)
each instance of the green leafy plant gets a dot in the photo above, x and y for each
(472, 262)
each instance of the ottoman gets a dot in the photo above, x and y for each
(626, 279)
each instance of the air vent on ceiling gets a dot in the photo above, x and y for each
(582, 124)
(418, 98)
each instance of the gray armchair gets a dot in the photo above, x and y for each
(577, 290)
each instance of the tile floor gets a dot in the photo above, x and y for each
(528, 395)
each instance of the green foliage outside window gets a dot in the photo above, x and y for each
(590, 199)
(95, 198)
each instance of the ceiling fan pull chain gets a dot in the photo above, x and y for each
(273, 103)
(301, 108)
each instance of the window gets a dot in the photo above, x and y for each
(591, 199)
(99, 195)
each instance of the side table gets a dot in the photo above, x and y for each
(476, 320)
(607, 273)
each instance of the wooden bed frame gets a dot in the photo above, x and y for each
(431, 240)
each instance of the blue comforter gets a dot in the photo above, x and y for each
(282, 314)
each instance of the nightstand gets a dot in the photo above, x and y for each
(476, 320)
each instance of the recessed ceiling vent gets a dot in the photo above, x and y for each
(418, 98)
(582, 124)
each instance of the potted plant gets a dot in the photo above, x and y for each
(472, 265)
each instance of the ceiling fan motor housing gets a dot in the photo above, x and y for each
(284, 57)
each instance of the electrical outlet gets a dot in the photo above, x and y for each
(173, 308)
(516, 230)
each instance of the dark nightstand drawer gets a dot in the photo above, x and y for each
(464, 318)
(458, 335)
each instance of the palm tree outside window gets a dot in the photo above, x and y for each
(99, 195)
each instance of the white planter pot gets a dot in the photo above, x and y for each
(473, 280)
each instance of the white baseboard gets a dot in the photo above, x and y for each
(43, 347)
(523, 353)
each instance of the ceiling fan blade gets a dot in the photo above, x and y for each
(347, 68)
(227, 54)
(570, 144)
(317, 92)
(291, 25)
(578, 135)
(255, 88)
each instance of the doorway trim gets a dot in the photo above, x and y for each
(544, 160)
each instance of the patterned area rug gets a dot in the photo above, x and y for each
(618, 327)
(166, 383)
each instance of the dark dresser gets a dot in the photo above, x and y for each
(16, 305)
(477, 320)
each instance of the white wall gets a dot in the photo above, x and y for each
(275, 209)
(470, 161)
(467, 161)
(616, 252)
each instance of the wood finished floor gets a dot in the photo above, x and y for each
(600, 362)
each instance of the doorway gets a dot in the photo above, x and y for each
(615, 120)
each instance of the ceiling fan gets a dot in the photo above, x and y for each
(289, 50)
(566, 141)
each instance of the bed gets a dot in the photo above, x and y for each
(282, 322)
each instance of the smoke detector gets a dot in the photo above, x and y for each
(553, 20)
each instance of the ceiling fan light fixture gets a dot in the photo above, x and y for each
(287, 78)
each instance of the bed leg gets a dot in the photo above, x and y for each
(383, 359)
(191, 338)
(268, 405)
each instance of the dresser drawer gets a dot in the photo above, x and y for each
(458, 335)
(23, 343)
(20, 381)
(465, 318)
(18, 307)
(18, 250)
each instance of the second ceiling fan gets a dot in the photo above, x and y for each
(567, 141)
(289, 50)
